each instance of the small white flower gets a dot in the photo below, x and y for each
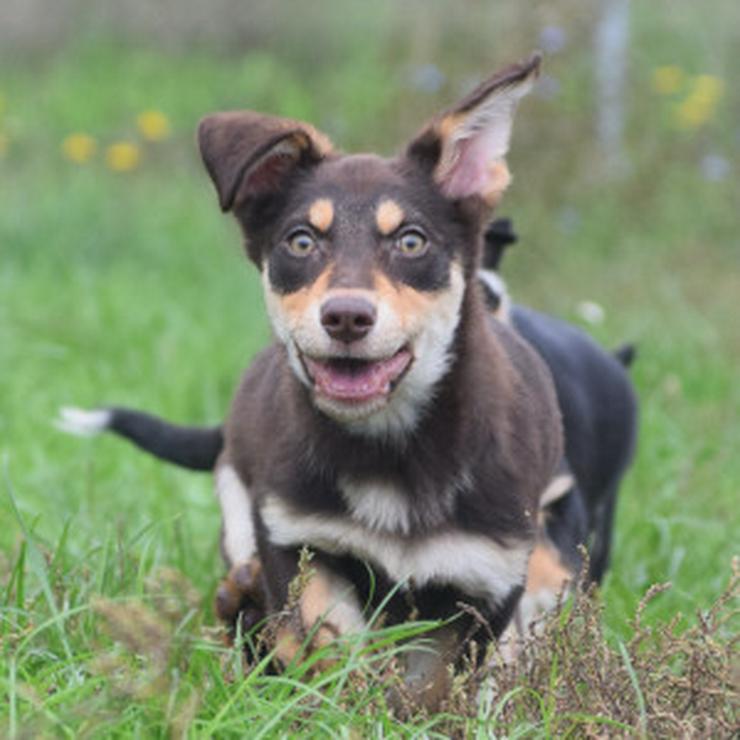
(426, 78)
(548, 87)
(590, 312)
(672, 385)
(715, 167)
(553, 39)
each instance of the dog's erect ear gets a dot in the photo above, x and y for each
(249, 154)
(466, 146)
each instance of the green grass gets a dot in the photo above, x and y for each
(131, 288)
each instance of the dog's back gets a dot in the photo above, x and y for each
(599, 409)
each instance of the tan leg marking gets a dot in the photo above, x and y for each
(287, 645)
(321, 214)
(328, 606)
(388, 216)
(330, 599)
(547, 581)
(546, 571)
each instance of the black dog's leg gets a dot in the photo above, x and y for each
(427, 675)
(602, 536)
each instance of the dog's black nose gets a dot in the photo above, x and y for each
(347, 318)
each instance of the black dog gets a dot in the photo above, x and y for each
(599, 412)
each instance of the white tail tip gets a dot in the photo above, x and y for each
(82, 423)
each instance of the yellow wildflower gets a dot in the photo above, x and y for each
(701, 103)
(707, 88)
(693, 113)
(4, 144)
(79, 148)
(668, 79)
(123, 156)
(153, 125)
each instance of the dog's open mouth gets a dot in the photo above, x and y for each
(354, 380)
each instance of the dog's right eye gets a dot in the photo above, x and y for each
(301, 243)
(412, 243)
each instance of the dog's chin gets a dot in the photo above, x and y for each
(351, 389)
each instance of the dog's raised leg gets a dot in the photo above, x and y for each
(240, 599)
(325, 607)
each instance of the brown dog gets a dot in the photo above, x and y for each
(394, 427)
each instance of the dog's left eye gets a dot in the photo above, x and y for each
(412, 243)
(301, 243)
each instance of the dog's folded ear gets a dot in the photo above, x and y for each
(466, 146)
(248, 154)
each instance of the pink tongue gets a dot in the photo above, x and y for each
(361, 384)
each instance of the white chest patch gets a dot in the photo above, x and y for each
(382, 506)
(475, 564)
(378, 505)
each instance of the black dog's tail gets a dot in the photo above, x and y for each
(626, 354)
(195, 448)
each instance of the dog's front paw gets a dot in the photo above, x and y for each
(240, 597)
(293, 643)
(324, 607)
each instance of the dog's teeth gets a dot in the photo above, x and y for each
(82, 423)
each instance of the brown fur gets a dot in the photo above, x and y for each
(480, 435)
(396, 428)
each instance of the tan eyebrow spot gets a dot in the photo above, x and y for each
(321, 214)
(388, 216)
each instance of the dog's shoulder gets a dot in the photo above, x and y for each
(531, 381)
(260, 407)
(510, 413)
(595, 392)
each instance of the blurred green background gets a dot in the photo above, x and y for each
(120, 281)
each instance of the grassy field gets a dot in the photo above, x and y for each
(120, 282)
